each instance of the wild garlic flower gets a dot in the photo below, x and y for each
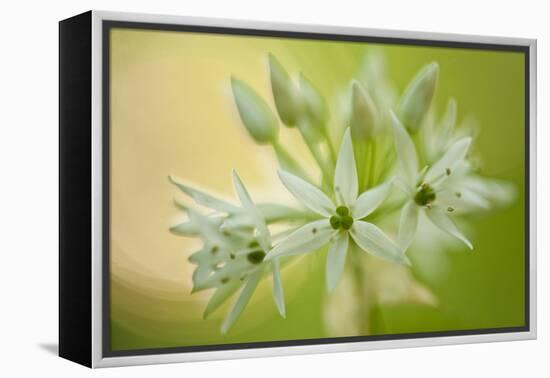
(472, 192)
(428, 190)
(437, 138)
(340, 219)
(232, 256)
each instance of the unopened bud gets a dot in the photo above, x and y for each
(314, 103)
(255, 114)
(418, 96)
(285, 93)
(364, 116)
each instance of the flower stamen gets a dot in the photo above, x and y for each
(256, 257)
(425, 196)
(343, 218)
(335, 222)
(342, 211)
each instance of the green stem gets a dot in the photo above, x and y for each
(316, 153)
(372, 165)
(358, 150)
(387, 162)
(331, 150)
(287, 162)
(365, 177)
(386, 210)
(418, 140)
(358, 274)
(292, 215)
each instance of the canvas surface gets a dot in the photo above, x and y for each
(180, 105)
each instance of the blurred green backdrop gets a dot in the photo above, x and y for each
(172, 113)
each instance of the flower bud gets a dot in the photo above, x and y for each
(364, 116)
(310, 129)
(418, 96)
(314, 103)
(255, 114)
(285, 93)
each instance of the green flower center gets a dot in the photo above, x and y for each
(425, 196)
(342, 219)
(256, 257)
(342, 211)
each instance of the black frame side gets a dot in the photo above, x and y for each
(75, 172)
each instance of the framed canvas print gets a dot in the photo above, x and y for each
(235, 189)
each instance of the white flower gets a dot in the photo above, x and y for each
(340, 220)
(229, 216)
(437, 137)
(472, 192)
(482, 193)
(429, 189)
(231, 257)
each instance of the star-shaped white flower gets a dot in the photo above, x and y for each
(471, 191)
(340, 219)
(427, 189)
(230, 258)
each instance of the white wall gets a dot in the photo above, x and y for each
(28, 171)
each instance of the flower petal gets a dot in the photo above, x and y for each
(264, 238)
(345, 175)
(495, 191)
(221, 295)
(307, 194)
(208, 227)
(449, 162)
(447, 125)
(185, 228)
(462, 199)
(203, 198)
(336, 260)
(472, 200)
(407, 225)
(242, 193)
(200, 276)
(445, 223)
(270, 213)
(240, 221)
(307, 238)
(275, 212)
(231, 271)
(278, 293)
(248, 289)
(371, 239)
(406, 152)
(370, 200)
(403, 186)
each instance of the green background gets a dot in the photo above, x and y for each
(171, 113)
